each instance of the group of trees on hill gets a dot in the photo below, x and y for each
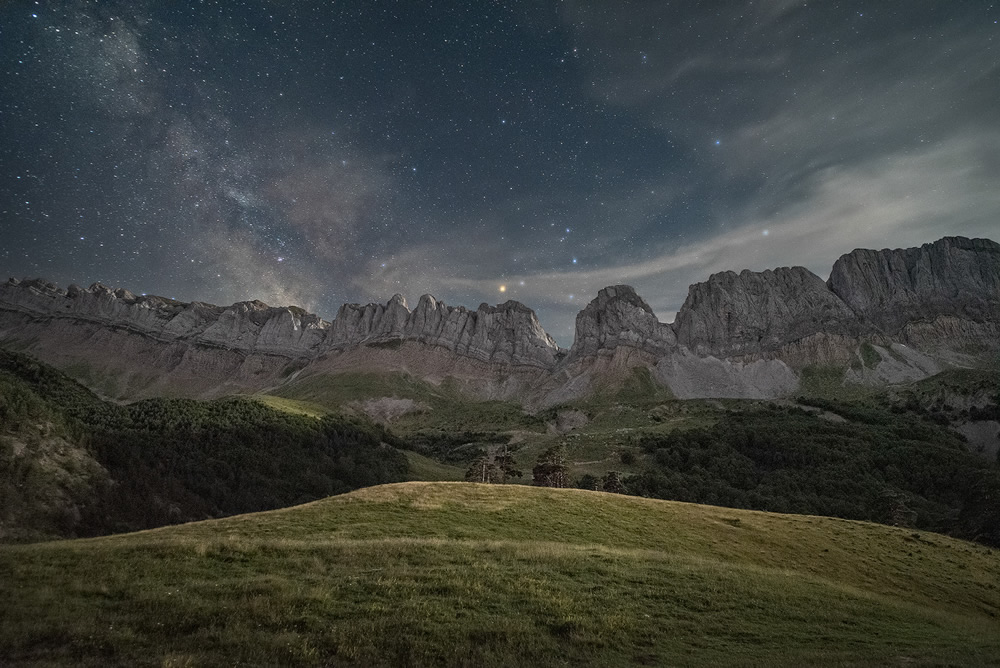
(233, 456)
(174, 460)
(881, 466)
(495, 465)
(552, 470)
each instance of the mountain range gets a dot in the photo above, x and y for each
(882, 317)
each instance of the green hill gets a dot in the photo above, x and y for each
(461, 574)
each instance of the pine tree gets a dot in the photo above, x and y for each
(614, 483)
(482, 469)
(550, 471)
(495, 465)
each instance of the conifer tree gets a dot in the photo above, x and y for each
(550, 471)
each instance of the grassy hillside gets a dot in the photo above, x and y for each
(888, 457)
(441, 407)
(462, 574)
(48, 477)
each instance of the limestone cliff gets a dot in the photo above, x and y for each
(887, 316)
(244, 326)
(753, 312)
(953, 276)
(505, 334)
(619, 317)
(508, 333)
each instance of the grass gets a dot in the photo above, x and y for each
(459, 415)
(614, 427)
(594, 448)
(462, 574)
(334, 391)
(959, 382)
(427, 469)
(827, 381)
(869, 355)
(292, 406)
(443, 407)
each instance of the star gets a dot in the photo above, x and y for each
(205, 151)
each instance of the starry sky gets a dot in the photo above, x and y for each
(316, 153)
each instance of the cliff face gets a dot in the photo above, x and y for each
(755, 312)
(744, 334)
(914, 295)
(954, 276)
(251, 327)
(619, 317)
(506, 334)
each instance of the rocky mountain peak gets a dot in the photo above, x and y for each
(618, 316)
(426, 302)
(508, 333)
(620, 293)
(915, 307)
(510, 305)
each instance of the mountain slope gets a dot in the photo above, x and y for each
(462, 574)
(883, 317)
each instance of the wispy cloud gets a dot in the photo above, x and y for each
(903, 200)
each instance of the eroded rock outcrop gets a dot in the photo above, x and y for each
(753, 312)
(619, 317)
(244, 326)
(508, 333)
(884, 316)
(953, 276)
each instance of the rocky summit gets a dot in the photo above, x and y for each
(755, 312)
(882, 317)
(619, 317)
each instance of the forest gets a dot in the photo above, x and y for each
(889, 466)
(167, 460)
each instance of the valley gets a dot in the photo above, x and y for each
(792, 472)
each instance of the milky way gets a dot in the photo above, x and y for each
(315, 153)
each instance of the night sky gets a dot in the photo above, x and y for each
(316, 153)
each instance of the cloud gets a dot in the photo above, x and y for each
(857, 139)
(903, 200)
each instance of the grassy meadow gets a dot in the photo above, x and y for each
(454, 574)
